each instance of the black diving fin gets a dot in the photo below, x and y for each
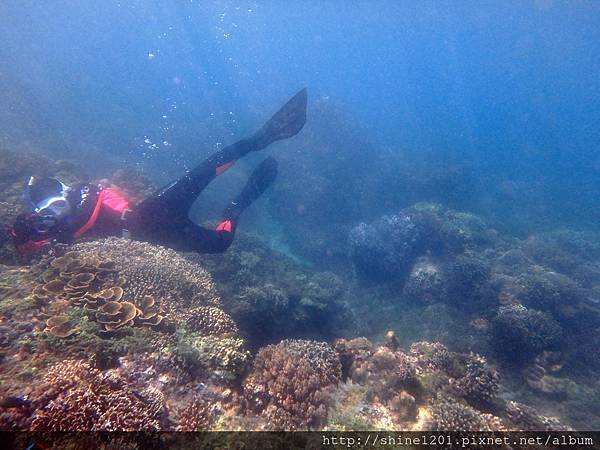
(285, 123)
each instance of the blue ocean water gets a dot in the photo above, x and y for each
(509, 88)
(484, 114)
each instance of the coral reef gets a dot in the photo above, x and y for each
(222, 358)
(451, 415)
(384, 249)
(197, 415)
(519, 333)
(474, 379)
(428, 387)
(158, 347)
(122, 284)
(291, 383)
(426, 281)
(208, 320)
(271, 297)
(154, 271)
(89, 400)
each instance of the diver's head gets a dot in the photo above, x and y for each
(47, 198)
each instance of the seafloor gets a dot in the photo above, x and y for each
(461, 328)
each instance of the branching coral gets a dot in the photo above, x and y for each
(476, 380)
(385, 248)
(450, 415)
(519, 333)
(92, 400)
(209, 320)
(291, 383)
(430, 356)
(219, 357)
(385, 372)
(389, 375)
(197, 415)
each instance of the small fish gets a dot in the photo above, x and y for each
(12, 401)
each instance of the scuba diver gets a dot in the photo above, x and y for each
(62, 214)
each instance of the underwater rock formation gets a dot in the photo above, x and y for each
(291, 383)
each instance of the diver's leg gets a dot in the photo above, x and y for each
(179, 196)
(194, 238)
(187, 236)
(260, 179)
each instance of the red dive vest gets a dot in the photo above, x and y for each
(108, 198)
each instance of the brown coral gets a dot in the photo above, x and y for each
(150, 270)
(95, 401)
(197, 415)
(114, 315)
(385, 372)
(100, 275)
(388, 375)
(59, 326)
(291, 383)
(210, 320)
(476, 380)
(451, 415)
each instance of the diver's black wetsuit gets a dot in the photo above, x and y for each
(162, 218)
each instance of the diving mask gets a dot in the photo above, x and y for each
(48, 199)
